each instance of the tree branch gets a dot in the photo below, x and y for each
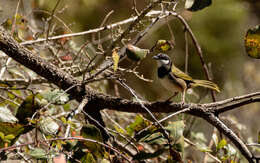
(98, 101)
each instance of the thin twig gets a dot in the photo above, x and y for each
(2, 97)
(134, 8)
(146, 109)
(102, 24)
(51, 18)
(73, 113)
(186, 52)
(107, 27)
(15, 16)
(58, 19)
(198, 48)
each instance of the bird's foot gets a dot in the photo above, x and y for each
(182, 104)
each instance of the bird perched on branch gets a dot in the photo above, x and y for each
(175, 80)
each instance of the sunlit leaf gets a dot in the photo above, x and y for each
(215, 139)
(135, 53)
(120, 130)
(6, 115)
(195, 5)
(48, 126)
(10, 137)
(115, 57)
(2, 136)
(221, 144)
(203, 148)
(252, 42)
(55, 96)
(231, 151)
(66, 107)
(104, 161)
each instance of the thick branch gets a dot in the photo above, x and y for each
(97, 101)
(52, 73)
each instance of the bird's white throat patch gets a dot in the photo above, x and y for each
(164, 62)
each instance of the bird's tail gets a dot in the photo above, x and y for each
(206, 84)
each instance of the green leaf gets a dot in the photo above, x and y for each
(66, 107)
(203, 148)
(27, 109)
(252, 42)
(221, 144)
(48, 126)
(148, 134)
(92, 132)
(136, 53)
(115, 57)
(12, 130)
(52, 96)
(154, 138)
(119, 130)
(146, 155)
(195, 5)
(38, 153)
(139, 124)
(7, 141)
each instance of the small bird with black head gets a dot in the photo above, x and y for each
(176, 80)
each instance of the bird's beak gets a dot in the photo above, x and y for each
(155, 57)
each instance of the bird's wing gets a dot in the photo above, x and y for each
(180, 74)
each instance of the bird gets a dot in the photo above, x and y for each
(175, 80)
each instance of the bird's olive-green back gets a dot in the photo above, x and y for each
(180, 74)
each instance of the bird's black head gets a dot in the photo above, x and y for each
(163, 59)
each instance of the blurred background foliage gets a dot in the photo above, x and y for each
(219, 28)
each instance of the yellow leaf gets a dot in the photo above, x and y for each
(164, 45)
(10, 137)
(252, 42)
(2, 136)
(115, 57)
